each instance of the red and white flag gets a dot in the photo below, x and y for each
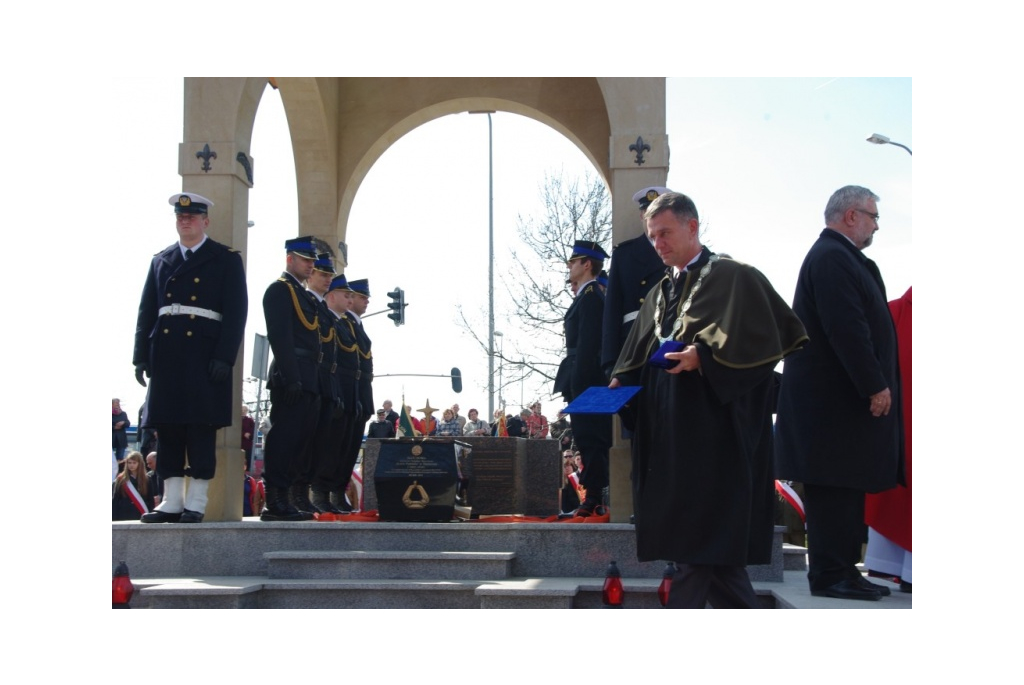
(787, 493)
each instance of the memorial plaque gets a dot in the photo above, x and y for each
(415, 479)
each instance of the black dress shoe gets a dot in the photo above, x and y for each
(906, 587)
(848, 589)
(189, 516)
(156, 516)
(865, 583)
(283, 513)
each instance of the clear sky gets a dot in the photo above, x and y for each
(759, 156)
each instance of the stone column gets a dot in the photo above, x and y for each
(627, 177)
(226, 180)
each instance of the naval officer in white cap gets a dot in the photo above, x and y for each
(190, 326)
(635, 268)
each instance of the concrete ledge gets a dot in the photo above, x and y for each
(794, 558)
(391, 565)
(238, 548)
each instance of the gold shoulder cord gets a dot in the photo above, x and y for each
(364, 355)
(315, 326)
(337, 338)
(337, 341)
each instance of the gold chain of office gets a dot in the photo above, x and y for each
(678, 325)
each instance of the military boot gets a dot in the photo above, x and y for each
(322, 501)
(277, 507)
(300, 499)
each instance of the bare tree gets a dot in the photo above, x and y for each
(577, 209)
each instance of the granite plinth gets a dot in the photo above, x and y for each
(506, 475)
(415, 479)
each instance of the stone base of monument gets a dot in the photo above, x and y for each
(310, 564)
(415, 479)
(506, 475)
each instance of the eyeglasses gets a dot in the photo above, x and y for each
(873, 216)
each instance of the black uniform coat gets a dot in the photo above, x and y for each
(293, 330)
(635, 268)
(581, 367)
(178, 348)
(365, 373)
(346, 371)
(703, 490)
(825, 434)
(327, 388)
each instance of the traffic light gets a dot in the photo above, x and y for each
(397, 306)
(456, 380)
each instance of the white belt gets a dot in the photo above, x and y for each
(176, 309)
(629, 317)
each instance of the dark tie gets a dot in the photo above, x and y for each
(188, 254)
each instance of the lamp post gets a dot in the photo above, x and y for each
(490, 259)
(501, 368)
(879, 139)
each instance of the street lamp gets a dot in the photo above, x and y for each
(490, 259)
(879, 139)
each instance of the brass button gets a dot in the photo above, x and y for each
(197, 279)
(641, 300)
(166, 331)
(188, 333)
(193, 298)
(168, 294)
(643, 282)
(191, 316)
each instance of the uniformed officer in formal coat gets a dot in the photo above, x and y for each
(330, 403)
(339, 457)
(635, 268)
(293, 330)
(190, 326)
(360, 300)
(581, 368)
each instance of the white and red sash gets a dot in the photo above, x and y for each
(135, 497)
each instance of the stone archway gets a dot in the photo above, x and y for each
(339, 127)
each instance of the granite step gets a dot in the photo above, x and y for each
(388, 565)
(510, 593)
(794, 557)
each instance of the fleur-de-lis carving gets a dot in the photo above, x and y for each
(206, 154)
(639, 147)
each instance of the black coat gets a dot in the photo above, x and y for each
(120, 435)
(635, 268)
(328, 353)
(515, 427)
(346, 371)
(294, 334)
(122, 508)
(381, 429)
(581, 367)
(825, 433)
(178, 348)
(365, 372)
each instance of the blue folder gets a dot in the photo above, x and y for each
(602, 400)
